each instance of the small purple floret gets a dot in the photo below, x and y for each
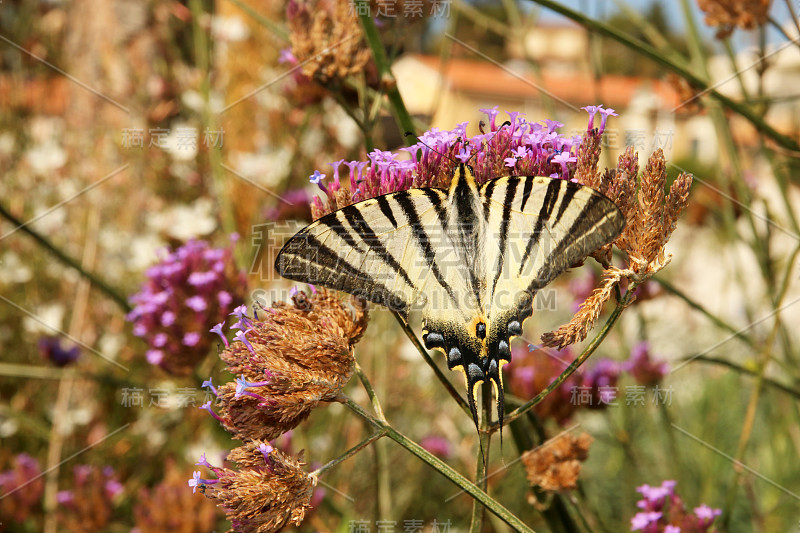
(218, 330)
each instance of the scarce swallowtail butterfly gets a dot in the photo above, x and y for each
(471, 257)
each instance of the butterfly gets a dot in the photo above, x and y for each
(472, 257)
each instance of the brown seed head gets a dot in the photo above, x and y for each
(583, 321)
(302, 354)
(729, 14)
(329, 35)
(556, 465)
(264, 494)
(170, 507)
(588, 156)
(651, 217)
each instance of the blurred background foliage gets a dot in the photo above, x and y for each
(127, 127)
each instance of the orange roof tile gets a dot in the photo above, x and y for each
(482, 77)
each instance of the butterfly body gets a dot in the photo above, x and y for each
(472, 257)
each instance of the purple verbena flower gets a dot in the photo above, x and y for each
(529, 148)
(50, 348)
(654, 497)
(602, 379)
(112, 488)
(22, 487)
(210, 385)
(492, 114)
(207, 407)
(552, 125)
(197, 303)
(286, 56)
(563, 159)
(606, 113)
(197, 481)
(645, 371)
(464, 155)
(316, 177)
(218, 330)
(240, 336)
(265, 450)
(706, 515)
(437, 445)
(203, 462)
(192, 287)
(592, 110)
(644, 521)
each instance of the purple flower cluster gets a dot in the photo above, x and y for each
(85, 477)
(50, 348)
(514, 147)
(437, 445)
(663, 511)
(593, 386)
(187, 292)
(644, 369)
(22, 487)
(602, 379)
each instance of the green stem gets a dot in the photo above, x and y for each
(777, 25)
(370, 391)
(349, 453)
(482, 459)
(439, 374)
(443, 468)
(742, 370)
(748, 424)
(203, 61)
(792, 14)
(589, 350)
(67, 260)
(387, 80)
(648, 51)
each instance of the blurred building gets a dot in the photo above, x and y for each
(452, 92)
(549, 76)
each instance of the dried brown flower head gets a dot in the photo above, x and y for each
(327, 34)
(291, 359)
(729, 14)
(170, 507)
(269, 491)
(555, 465)
(22, 487)
(533, 371)
(651, 218)
(88, 504)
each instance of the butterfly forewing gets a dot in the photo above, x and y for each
(386, 250)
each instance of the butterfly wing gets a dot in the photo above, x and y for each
(539, 227)
(386, 249)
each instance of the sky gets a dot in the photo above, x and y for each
(603, 8)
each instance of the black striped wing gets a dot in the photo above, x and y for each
(389, 250)
(539, 227)
(533, 229)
